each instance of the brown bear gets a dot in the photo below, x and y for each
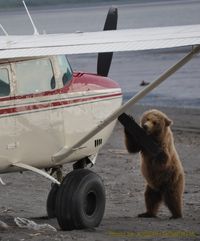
(165, 176)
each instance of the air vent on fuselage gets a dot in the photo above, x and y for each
(98, 142)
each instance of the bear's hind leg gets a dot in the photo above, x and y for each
(153, 199)
(174, 203)
(173, 198)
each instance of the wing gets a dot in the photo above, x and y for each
(104, 41)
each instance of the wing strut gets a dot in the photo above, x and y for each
(65, 152)
(36, 170)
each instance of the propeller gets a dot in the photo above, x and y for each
(104, 59)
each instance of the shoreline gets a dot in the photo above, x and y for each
(185, 119)
(162, 101)
(86, 3)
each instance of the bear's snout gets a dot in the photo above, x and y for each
(147, 126)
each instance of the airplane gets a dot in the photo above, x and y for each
(51, 115)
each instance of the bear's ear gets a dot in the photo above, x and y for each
(168, 122)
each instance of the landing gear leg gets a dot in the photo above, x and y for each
(51, 199)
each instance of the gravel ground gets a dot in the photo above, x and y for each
(25, 195)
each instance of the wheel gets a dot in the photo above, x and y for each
(80, 201)
(51, 201)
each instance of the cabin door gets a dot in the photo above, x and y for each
(8, 142)
(35, 91)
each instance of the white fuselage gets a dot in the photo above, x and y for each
(36, 126)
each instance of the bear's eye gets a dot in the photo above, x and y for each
(154, 122)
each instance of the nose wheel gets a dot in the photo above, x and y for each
(79, 202)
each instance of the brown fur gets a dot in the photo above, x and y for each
(165, 178)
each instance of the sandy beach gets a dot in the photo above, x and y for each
(25, 195)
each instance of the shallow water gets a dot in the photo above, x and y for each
(128, 68)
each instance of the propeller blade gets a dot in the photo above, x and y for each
(105, 59)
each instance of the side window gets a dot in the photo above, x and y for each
(34, 76)
(65, 69)
(4, 82)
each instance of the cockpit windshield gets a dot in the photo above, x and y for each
(65, 69)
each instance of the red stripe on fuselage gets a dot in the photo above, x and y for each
(61, 103)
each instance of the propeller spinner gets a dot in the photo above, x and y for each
(104, 59)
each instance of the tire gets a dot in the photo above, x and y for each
(51, 201)
(80, 201)
(63, 202)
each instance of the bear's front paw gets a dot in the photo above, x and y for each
(146, 215)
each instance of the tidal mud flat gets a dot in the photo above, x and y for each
(25, 195)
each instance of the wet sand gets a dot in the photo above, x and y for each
(25, 195)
